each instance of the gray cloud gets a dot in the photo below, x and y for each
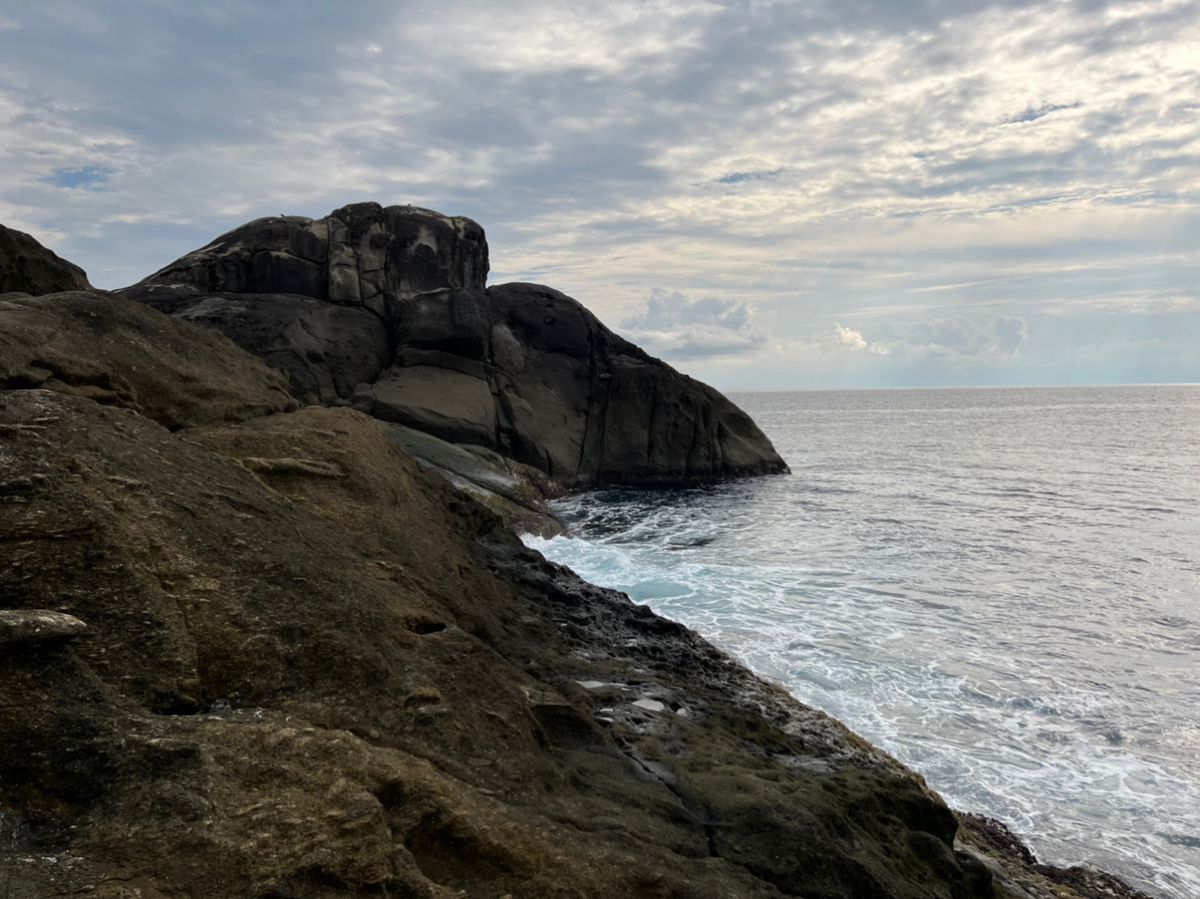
(994, 336)
(678, 328)
(1032, 113)
(739, 177)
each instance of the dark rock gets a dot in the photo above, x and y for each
(386, 308)
(361, 255)
(1014, 869)
(326, 350)
(28, 267)
(571, 398)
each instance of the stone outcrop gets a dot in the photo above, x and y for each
(386, 309)
(28, 267)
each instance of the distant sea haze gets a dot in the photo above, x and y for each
(1001, 587)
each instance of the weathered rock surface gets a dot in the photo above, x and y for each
(28, 267)
(363, 255)
(386, 309)
(120, 353)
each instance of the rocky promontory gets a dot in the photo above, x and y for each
(250, 647)
(386, 310)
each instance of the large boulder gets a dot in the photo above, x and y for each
(386, 309)
(530, 372)
(28, 267)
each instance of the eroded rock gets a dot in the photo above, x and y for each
(120, 353)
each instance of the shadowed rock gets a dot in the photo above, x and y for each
(28, 267)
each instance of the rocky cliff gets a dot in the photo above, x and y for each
(248, 647)
(386, 310)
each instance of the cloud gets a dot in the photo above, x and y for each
(822, 162)
(995, 336)
(675, 327)
(850, 338)
(1032, 113)
(739, 177)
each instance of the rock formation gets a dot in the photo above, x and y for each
(386, 309)
(249, 648)
(28, 267)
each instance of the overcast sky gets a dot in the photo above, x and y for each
(766, 194)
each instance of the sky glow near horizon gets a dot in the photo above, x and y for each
(765, 194)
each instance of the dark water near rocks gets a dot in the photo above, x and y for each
(1000, 587)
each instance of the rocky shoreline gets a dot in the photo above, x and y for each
(251, 646)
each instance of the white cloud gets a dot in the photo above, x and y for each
(850, 338)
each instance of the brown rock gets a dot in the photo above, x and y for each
(121, 353)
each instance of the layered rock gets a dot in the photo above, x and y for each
(28, 267)
(386, 309)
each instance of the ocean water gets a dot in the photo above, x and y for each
(1000, 587)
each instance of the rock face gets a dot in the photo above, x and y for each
(386, 309)
(28, 267)
(314, 669)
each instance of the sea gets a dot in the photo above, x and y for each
(1000, 587)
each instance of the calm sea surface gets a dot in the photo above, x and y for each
(1000, 587)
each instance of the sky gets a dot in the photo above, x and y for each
(766, 194)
